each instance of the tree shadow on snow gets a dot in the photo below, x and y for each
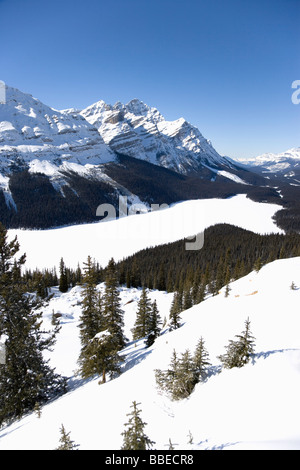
(134, 358)
(266, 354)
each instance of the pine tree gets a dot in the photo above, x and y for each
(153, 325)
(102, 357)
(175, 310)
(178, 380)
(37, 410)
(187, 297)
(258, 264)
(63, 279)
(141, 326)
(165, 379)
(26, 378)
(238, 352)
(66, 442)
(113, 314)
(201, 361)
(91, 320)
(184, 380)
(134, 435)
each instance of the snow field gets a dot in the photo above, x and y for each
(123, 237)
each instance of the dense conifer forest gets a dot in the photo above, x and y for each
(229, 252)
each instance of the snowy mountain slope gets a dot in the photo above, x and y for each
(32, 130)
(255, 407)
(281, 163)
(124, 236)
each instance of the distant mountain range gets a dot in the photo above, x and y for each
(56, 167)
(286, 164)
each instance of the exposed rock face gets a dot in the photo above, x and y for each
(140, 131)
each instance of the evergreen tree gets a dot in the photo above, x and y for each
(63, 279)
(141, 326)
(134, 435)
(184, 381)
(238, 352)
(153, 325)
(165, 379)
(41, 287)
(258, 264)
(113, 314)
(66, 442)
(201, 361)
(91, 320)
(102, 357)
(187, 297)
(26, 378)
(175, 310)
(179, 379)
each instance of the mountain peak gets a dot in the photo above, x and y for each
(137, 107)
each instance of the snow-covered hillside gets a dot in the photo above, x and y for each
(255, 407)
(125, 236)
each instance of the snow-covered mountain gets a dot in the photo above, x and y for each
(285, 163)
(140, 131)
(254, 407)
(31, 131)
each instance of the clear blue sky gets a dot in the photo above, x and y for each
(226, 66)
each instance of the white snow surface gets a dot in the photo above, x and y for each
(122, 237)
(255, 407)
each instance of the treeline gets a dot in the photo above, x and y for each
(229, 252)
